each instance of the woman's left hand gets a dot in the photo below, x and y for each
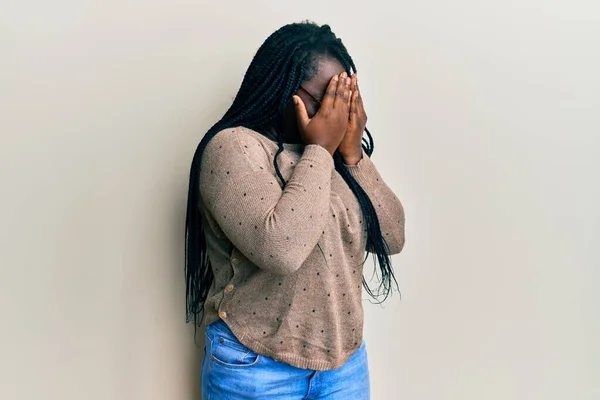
(351, 146)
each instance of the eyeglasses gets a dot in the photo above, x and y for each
(313, 98)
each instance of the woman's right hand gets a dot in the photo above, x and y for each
(328, 126)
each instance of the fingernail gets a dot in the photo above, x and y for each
(344, 74)
(335, 77)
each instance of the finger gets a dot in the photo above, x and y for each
(354, 84)
(348, 92)
(353, 107)
(359, 100)
(301, 114)
(329, 98)
(347, 98)
(341, 92)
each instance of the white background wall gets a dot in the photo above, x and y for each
(487, 125)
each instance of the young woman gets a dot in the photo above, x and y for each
(284, 203)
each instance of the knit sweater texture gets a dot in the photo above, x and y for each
(288, 260)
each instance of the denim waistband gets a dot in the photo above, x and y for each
(221, 327)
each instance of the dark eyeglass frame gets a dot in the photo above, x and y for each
(313, 98)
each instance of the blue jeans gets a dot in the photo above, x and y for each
(231, 371)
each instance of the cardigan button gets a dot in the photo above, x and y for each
(223, 314)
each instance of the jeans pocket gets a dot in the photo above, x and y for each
(229, 353)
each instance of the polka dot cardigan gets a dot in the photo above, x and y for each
(288, 261)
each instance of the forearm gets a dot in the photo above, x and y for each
(388, 207)
(277, 229)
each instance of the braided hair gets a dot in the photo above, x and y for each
(287, 58)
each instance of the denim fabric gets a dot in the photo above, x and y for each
(231, 371)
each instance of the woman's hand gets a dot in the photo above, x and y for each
(350, 147)
(328, 126)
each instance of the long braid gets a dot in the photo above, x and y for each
(286, 59)
(279, 151)
(376, 243)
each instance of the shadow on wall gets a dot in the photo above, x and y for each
(195, 367)
(193, 336)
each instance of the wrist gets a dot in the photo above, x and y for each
(351, 157)
(329, 149)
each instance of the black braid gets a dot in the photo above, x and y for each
(279, 151)
(287, 58)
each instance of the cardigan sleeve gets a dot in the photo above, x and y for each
(276, 228)
(390, 212)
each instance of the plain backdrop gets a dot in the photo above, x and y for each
(486, 118)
